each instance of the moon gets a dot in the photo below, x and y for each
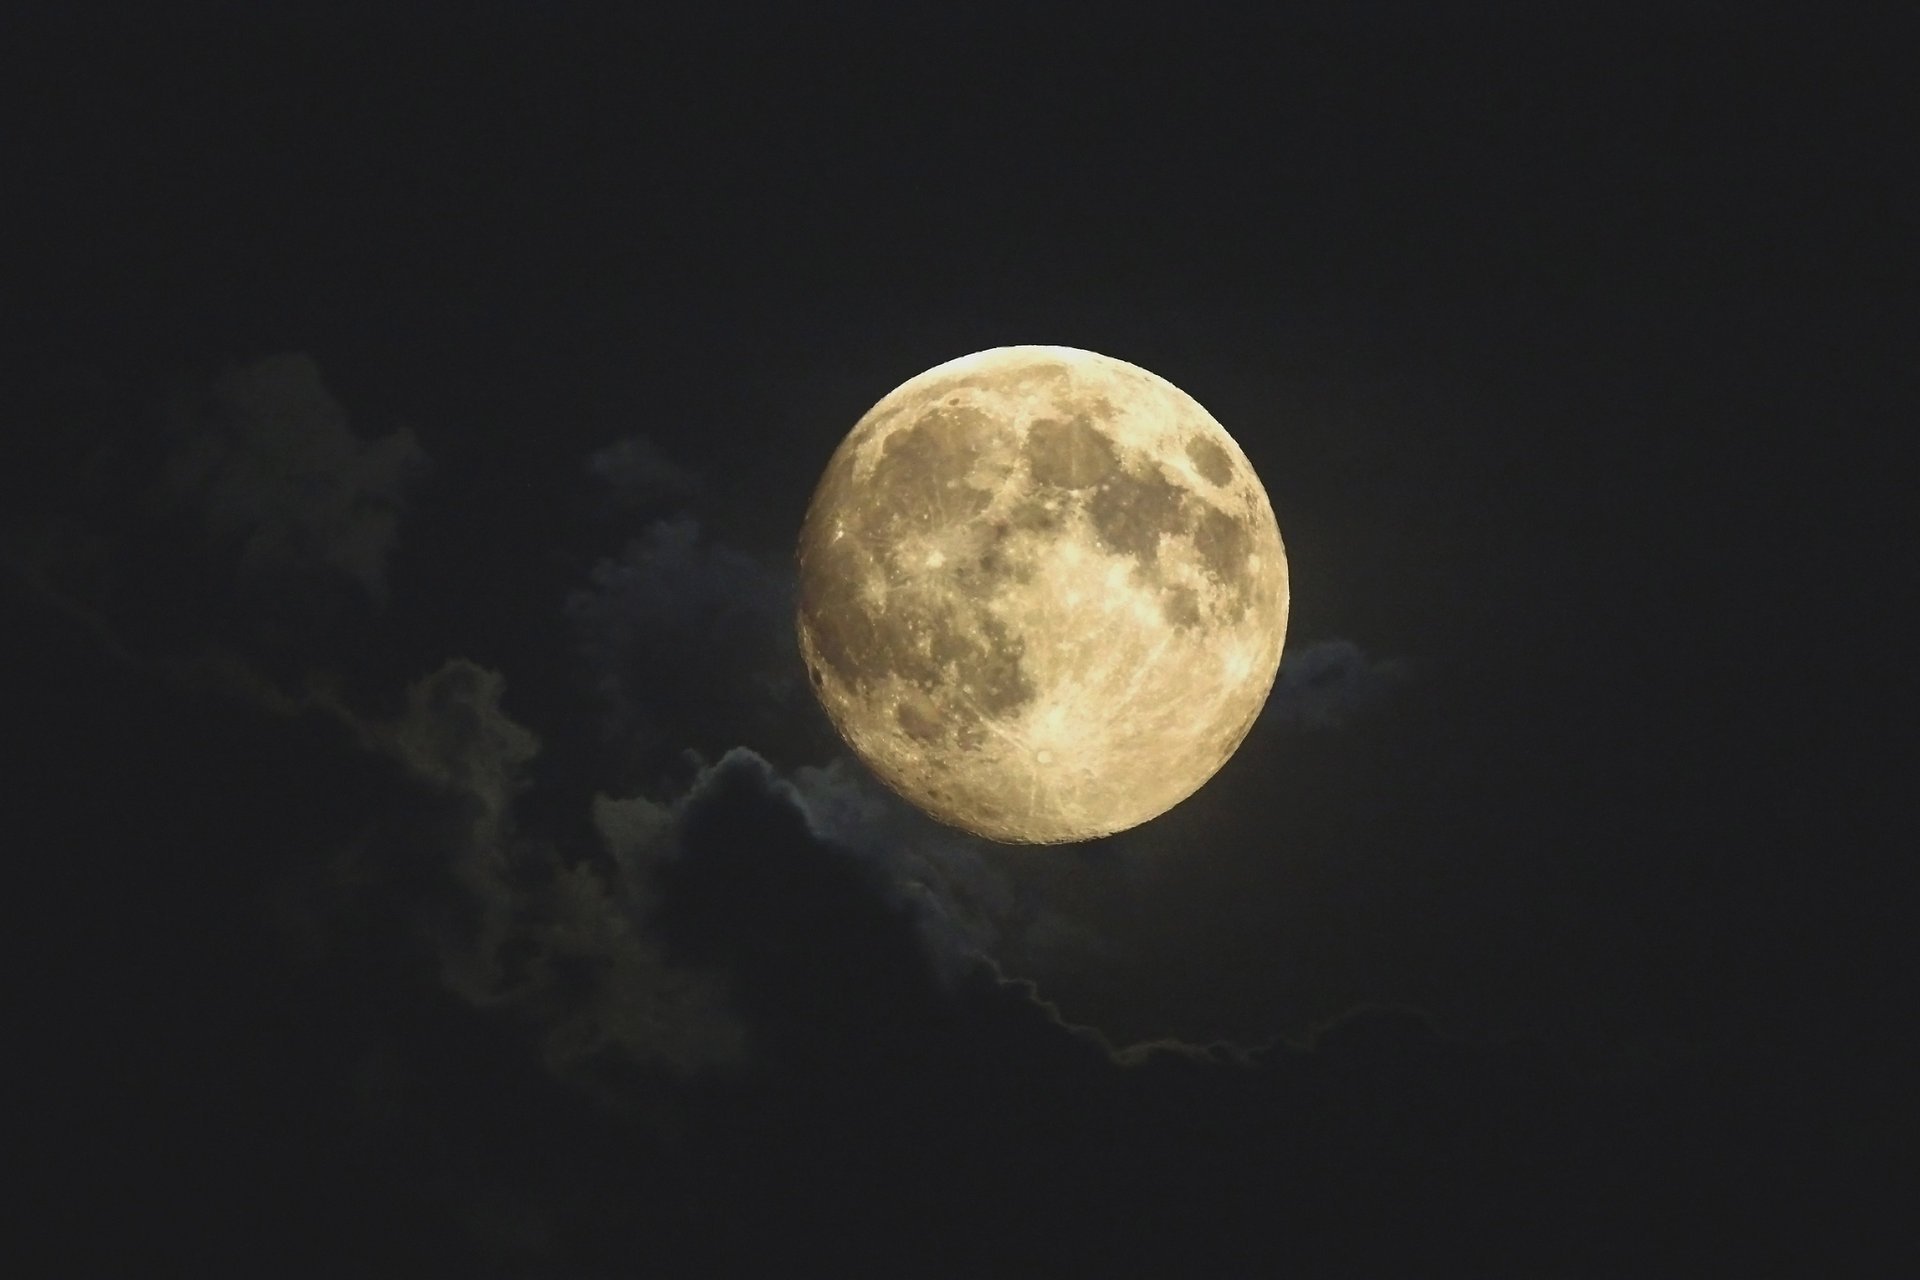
(1042, 593)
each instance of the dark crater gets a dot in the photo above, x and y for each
(1224, 544)
(1210, 460)
(1131, 509)
(993, 566)
(1069, 455)
(1181, 606)
(920, 479)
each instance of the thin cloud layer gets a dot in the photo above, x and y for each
(277, 473)
(1331, 684)
(688, 641)
(637, 476)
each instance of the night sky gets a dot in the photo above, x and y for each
(428, 858)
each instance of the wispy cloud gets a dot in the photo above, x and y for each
(276, 472)
(1331, 684)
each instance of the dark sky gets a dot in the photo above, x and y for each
(430, 861)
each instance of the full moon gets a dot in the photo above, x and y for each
(1042, 593)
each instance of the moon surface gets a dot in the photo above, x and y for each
(1042, 593)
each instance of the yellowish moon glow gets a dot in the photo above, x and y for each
(1042, 593)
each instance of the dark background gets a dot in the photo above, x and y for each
(1543, 926)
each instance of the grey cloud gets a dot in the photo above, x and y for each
(276, 471)
(689, 641)
(967, 909)
(962, 904)
(756, 914)
(636, 475)
(1330, 684)
(560, 942)
(761, 879)
(634, 828)
(935, 874)
(454, 733)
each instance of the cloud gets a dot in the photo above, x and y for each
(752, 916)
(958, 898)
(967, 910)
(729, 958)
(559, 941)
(749, 917)
(797, 967)
(830, 910)
(901, 1092)
(688, 641)
(813, 950)
(1331, 684)
(454, 733)
(637, 476)
(275, 470)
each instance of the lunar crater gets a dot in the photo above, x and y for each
(1210, 460)
(1068, 455)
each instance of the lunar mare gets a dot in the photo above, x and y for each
(1042, 593)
